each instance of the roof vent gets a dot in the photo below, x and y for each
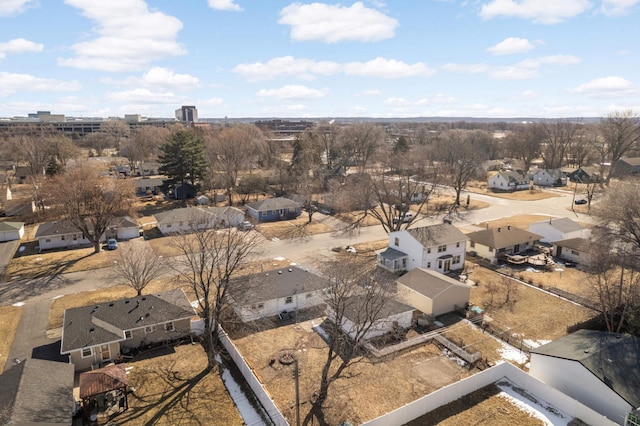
(499, 229)
(586, 351)
(141, 318)
(144, 298)
(126, 301)
(290, 270)
(508, 227)
(279, 272)
(91, 330)
(110, 304)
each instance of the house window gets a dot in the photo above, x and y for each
(263, 214)
(396, 241)
(442, 248)
(148, 329)
(309, 295)
(473, 244)
(75, 237)
(168, 225)
(48, 240)
(86, 352)
(62, 238)
(428, 264)
(490, 249)
(260, 305)
(439, 264)
(458, 244)
(127, 334)
(288, 299)
(456, 259)
(169, 326)
(575, 253)
(404, 262)
(428, 250)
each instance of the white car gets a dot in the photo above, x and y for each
(408, 217)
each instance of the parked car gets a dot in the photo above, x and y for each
(245, 226)
(580, 201)
(408, 217)
(112, 244)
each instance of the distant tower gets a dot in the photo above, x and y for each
(187, 113)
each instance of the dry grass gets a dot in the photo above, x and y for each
(534, 314)
(520, 221)
(483, 406)
(443, 202)
(291, 229)
(357, 398)
(177, 389)
(9, 320)
(568, 279)
(473, 339)
(481, 187)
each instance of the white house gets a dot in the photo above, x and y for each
(493, 243)
(393, 315)
(548, 177)
(431, 292)
(190, 218)
(11, 231)
(123, 228)
(576, 250)
(440, 248)
(597, 368)
(558, 229)
(63, 234)
(270, 293)
(509, 181)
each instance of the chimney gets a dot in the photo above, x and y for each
(508, 227)
(498, 229)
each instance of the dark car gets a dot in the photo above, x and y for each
(580, 201)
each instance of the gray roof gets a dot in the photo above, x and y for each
(275, 284)
(514, 177)
(11, 226)
(632, 161)
(37, 391)
(436, 235)
(124, 222)
(354, 308)
(392, 254)
(579, 244)
(502, 237)
(613, 358)
(149, 182)
(563, 224)
(60, 227)
(186, 214)
(429, 283)
(82, 326)
(274, 204)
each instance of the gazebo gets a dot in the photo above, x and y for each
(109, 382)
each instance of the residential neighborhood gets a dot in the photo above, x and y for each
(140, 280)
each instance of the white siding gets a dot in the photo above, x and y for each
(483, 252)
(498, 182)
(128, 233)
(275, 306)
(550, 233)
(425, 257)
(11, 235)
(63, 241)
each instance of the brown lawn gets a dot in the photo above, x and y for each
(356, 399)
(534, 314)
(572, 280)
(481, 187)
(291, 229)
(9, 320)
(472, 339)
(520, 221)
(177, 389)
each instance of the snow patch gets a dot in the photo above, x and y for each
(510, 353)
(535, 343)
(532, 405)
(279, 258)
(321, 332)
(18, 304)
(247, 411)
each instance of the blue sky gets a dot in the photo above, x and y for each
(272, 58)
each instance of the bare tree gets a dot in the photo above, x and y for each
(89, 201)
(525, 144)
(208, 260)
(115, 131)
(358, 143)
(558, 135)
(138, 265)
(34, 146)
(144, 144)
(356, 300)
(621, 133)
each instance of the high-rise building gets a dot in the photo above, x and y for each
(187, 113)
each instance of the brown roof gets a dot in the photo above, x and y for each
(103, 380)
(506, 236)
(579, 244)
(429, 283)
(436, 235)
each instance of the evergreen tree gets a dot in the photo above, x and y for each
(401, 146)
(182, 158)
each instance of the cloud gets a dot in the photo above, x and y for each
(387, 68)
(466, 68)
(539, 11)
(370, 92)
(14, 7)
(617, 7)
(11, 83)
(435, 100)
(145, 96)
(159, 77)
(286, 66)
(225, 5)
(335, 23)
(511, 45)
(607, 87)
(19, 45)
(293, 92)
(129, 36)
(522, 70)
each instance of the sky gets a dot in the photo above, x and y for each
(272, 58)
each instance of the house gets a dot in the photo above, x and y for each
(597, 368)
(626, 166)
(393, 316)
(23, 174)
(585, 175)
(63, 234)
(123, 170)
(189, 219)
(440, 248)
(272, 209)
(493, 243)
(95, 334)
(202, 200)
(558, 229)
(431, 292)
(11, 231)
(149, 169)
(548, 177)
(21, 207)
(509, 181)
(147, 185)
(123, 228)
(576, 250)
(37, 392)
(273, 292)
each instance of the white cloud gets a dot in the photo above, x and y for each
(143, 95)
(129, 36)
(552, 60)
(617, 7)
(335, 23)
(397, 101)
(387, 68)
(522, 70)
(225, 5)
(13, 7)
(11, 83)
(607, 87)
(466, 68)
(437, 99)
(286, 66)
(19, 45)
(159, 77)
(370, 92)
(293, 92)
(540, 11)
(283, 109)
(511, 45)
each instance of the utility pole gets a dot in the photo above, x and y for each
(296, 376)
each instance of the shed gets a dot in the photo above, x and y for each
(432, 292)
(111, 379)
(202, 200)
(11, 231)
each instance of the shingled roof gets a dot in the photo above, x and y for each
(274, 204)
(429, 283)
(436, 235)
(506, 236)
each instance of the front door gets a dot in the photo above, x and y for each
(447, 265)
(106, 354)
